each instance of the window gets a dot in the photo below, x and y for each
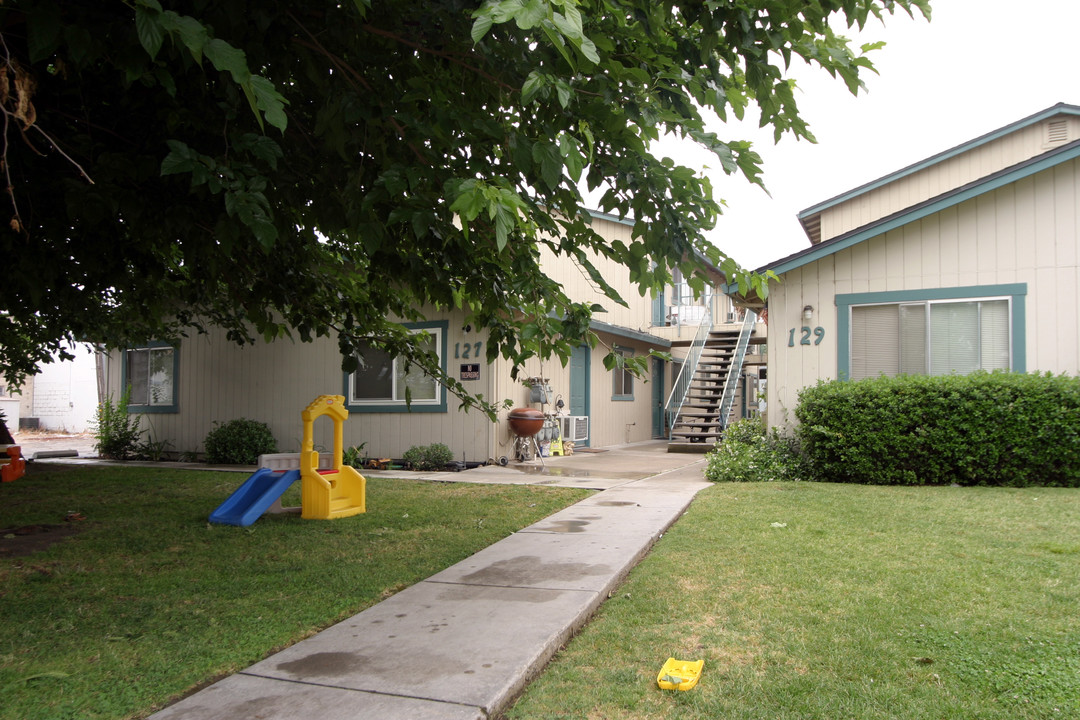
(151, 372)
(622, 387)
(931, 332)
(384, 383)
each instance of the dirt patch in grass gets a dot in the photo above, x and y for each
(29, 539)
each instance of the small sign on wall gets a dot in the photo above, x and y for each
(470, 371)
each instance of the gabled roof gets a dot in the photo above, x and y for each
(924, 209)
(808, 216)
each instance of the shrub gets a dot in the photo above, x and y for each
(750, 453)
(5, 435)
(239, 442)
(428, 457)
(116, 431)
(354, 456)
(1000, 428)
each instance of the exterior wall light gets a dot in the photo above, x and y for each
(808, 313)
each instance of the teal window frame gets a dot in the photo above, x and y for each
(625, 375)
(438, 329)
(141, 409)
(1016, 292)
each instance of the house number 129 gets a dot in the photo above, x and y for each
(804, 339)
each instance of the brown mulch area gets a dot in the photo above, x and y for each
(29, 539)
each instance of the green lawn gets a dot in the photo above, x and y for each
(148, 600)
(813, 600)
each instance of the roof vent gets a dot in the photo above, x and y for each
(1057, 131)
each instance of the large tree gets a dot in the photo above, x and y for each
(279, 168)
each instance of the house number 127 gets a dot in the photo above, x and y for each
(804, 339)
(467, 350)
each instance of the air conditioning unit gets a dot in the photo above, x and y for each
(575, 427)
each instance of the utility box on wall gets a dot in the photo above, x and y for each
(539, 390)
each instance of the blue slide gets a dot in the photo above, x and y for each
(254, 497)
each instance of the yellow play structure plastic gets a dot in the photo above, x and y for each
(679, 674)
(325, 494)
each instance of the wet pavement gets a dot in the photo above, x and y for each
(465, 642)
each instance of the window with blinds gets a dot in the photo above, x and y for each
(938, 337)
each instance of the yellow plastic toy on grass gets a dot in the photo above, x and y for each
(679, 674)
(340, 491)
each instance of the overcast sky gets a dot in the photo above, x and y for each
(976, 66)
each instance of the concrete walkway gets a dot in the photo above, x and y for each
(464, 643)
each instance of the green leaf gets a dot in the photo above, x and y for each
(571, 153)
(480, 28)
(270, 101)
(533, 84)
(179, 160)
(44, 25)
(148, 27)
(563, 91)
(588, 49)
(192, 33)
(551, 162)
(531, 14)
(226, 58)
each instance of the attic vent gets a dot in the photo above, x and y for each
(1057, 132)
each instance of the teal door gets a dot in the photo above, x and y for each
(579, 384)
(659, 397)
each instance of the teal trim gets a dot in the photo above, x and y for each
(442, 328)
(629, 333)
(918, 212)
(580, 400)
(617, 372)
(1059, 109)
(953, 293)
(1016, 291)
(174, 407)
(600, 215)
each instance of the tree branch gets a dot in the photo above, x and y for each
(356, 77)
(438, 53)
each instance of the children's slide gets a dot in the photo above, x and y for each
(254, 497)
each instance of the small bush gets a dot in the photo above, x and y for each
(1001, 428)
(5, 435)
(116, 431)
(428, 457)
(354, 456)
(239, 442)
(750, 453)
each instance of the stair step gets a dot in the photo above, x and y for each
(685, 447)
(698, 437)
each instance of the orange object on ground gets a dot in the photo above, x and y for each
(14, 468)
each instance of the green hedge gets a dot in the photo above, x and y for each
(239, 442)
(1008, 429)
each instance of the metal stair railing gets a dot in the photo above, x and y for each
(681, 389)
(731, 382)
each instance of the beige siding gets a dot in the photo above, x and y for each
(220, 381)
(1022, 233)
(940, 178)
(610, 422)
(580, 286)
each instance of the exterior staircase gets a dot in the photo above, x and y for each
(698, 424)
(702, 400)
